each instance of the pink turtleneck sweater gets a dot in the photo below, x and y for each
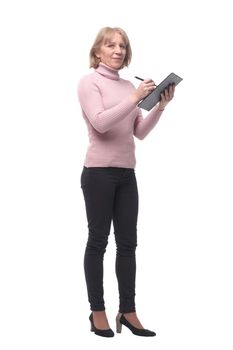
(112, 119)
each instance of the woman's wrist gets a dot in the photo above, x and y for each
(134, 98)
(161, 109)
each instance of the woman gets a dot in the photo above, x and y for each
(109, 108)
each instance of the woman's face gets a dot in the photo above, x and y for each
(112, 53)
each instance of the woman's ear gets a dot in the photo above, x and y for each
(97, 55)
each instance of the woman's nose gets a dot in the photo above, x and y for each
(118, 49)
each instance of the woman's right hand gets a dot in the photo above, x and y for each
(143, 90)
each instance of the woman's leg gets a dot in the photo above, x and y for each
(99, 197)
(125, 213)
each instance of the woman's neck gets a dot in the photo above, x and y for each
(107, 71)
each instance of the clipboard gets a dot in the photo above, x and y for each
(154, 97)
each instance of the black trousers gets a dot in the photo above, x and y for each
(111, 196)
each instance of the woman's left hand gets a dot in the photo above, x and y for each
(166, 96)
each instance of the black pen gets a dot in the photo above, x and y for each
(139, 78)
(142, 80)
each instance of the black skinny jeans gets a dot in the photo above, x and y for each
(111, 196)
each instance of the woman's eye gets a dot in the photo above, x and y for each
(123, 47)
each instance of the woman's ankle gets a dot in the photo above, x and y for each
(132, 318)
(100, 319)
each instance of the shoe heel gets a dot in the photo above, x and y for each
(118, 324)
(91, 323)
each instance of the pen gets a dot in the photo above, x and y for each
(142, 80)
(138, 78)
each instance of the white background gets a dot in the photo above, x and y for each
(184, 171)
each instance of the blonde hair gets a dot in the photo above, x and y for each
(104, 36)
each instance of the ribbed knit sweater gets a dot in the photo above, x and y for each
(112, 118)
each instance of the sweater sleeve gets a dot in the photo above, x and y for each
(92, 105)
(142, 126)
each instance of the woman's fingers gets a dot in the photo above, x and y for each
(169, 93)
(146, 87)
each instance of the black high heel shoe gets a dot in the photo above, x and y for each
(121, 320)
(102, 332)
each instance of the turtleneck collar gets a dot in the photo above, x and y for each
(107, 71)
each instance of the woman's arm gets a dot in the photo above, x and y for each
(92, 105)
(143, 126)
